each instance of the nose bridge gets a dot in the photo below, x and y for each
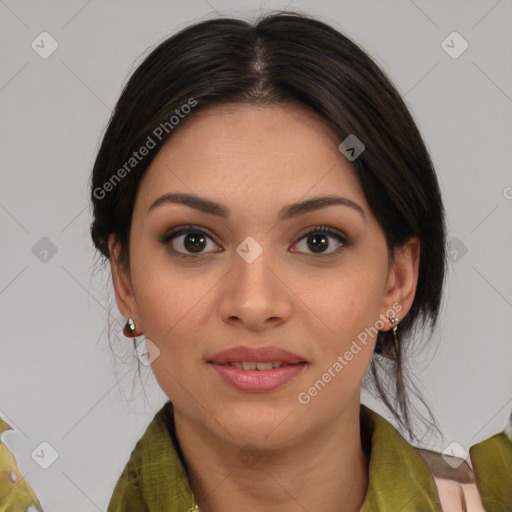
(252, 262)
(254, 292)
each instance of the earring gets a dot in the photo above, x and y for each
(393, 320)
(129, 328)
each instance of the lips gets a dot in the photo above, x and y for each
(257, 354)
(257, 369)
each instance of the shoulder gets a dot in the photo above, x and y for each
(127, 495)
(484, 484)
(129, 491)
(481, 482)
(154, 477)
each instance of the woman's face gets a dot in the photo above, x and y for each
(256, 278)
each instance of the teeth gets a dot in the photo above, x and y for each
(252, 365)
(264, 366)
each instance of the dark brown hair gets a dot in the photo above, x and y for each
(287, 57)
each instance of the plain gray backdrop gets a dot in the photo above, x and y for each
(60, 383)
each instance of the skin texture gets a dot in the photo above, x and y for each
(255, 160)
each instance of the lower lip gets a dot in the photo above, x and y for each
(258, 381)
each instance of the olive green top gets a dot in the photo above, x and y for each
(155, 478)
(15, 491)
(492, 465)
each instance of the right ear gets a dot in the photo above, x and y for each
(122, 284)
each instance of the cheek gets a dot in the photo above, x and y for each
(168, 297)
(172, 306)
(344, 302)
(339, 318)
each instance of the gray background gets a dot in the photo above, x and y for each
(59, 380)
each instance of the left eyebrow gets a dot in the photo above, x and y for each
(316, 203)
(287, 212)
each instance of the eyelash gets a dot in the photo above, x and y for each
(189, 228)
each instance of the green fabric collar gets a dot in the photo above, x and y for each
(399, 478)
(155, 480)
(492, 464)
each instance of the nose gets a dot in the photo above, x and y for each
(255, 292)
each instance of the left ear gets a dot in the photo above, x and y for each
(402, 279)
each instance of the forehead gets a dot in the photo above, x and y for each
(265, 152)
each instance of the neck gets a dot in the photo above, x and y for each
(325, 470)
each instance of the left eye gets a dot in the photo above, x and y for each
(317, 240)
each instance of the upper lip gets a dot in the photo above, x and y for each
(256, 354)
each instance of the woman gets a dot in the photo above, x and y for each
(275, 229)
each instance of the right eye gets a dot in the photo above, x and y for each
(187, 241)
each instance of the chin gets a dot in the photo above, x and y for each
(265, 426)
